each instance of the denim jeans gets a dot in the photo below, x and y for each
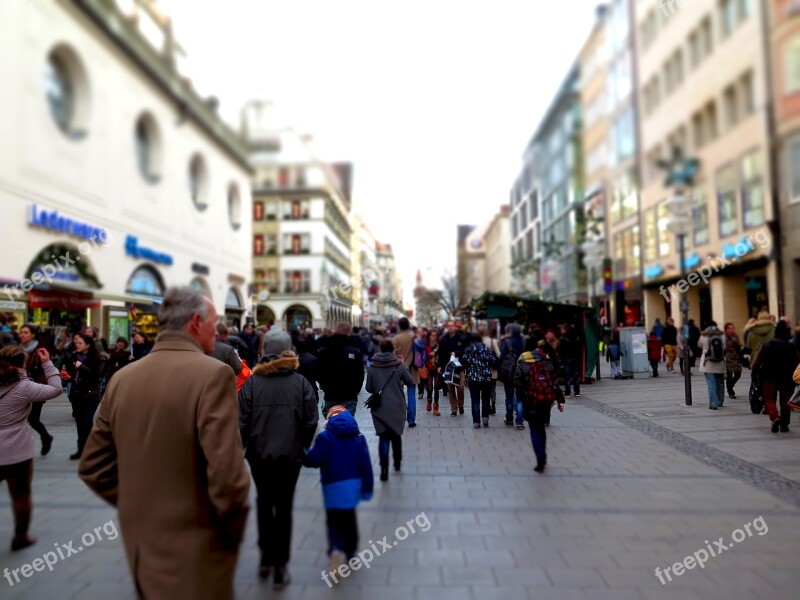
(385, 440)
(411, 411)
(538, 440)
(480, 394)
(716, 388)
(571, 376)
(508, 387)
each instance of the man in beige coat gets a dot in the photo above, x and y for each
(404, 346)
(166, 451)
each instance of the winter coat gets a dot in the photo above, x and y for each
(225, 353)
(513, 343)
(613, 352)
(569, 349)
(340, 369)
(16, 442)
(308, 369)
(758, 333)
(141, 350)
(733, 353)
(342, 454)
(278, 411)
(776, 362)
(479, 361)
(669, 336)
(165, 450)
(391, 414)
(451, 343)
(653, 348)
(85, 386)
(533, 411)
(492, 345)
(710, 366)
(404, 346)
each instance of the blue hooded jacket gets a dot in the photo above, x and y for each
(342, 454)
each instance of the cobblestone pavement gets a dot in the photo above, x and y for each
(636, 481)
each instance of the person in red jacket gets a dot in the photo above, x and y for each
(654, 352)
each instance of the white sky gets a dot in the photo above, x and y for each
(433, 101)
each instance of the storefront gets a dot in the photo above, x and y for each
(145, 288)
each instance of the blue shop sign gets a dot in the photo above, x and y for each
(132, 248)
(729, 250)
(52, 220)
(653, 271)
(691, 261)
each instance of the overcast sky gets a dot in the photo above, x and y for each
(433, 101)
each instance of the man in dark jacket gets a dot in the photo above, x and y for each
(669, 340)
(224, 352)
(452, 342)
(277, 419)
(774, 364)
(570, 351)
(340, 370)
(510, 350)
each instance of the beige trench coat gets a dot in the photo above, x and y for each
(166, 451)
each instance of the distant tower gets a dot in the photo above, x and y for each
(419, 289)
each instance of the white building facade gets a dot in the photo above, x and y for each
(116, 179)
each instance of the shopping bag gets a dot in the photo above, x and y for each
(242, 377)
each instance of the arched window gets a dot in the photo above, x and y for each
(67, 91)
(145, 281)
(198, 182)
(148, 147)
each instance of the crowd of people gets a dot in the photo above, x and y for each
(768, 347)
(177, 423)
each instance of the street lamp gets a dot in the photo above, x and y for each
(680, 176)
(593, 252)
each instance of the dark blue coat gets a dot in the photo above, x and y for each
(342, 454)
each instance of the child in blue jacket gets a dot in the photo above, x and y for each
(342, 454)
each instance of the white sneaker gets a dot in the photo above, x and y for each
(337, 559)
(567, 396)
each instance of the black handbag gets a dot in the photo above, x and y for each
(756, 397)
(374, 400)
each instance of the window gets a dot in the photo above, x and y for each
(234, 207)
(66, 90)
(296, 209)
(198, 182)
(523, 215)
(747, 94)
(650, 235)
(258, 244)
(300, 177)
(752, 191)
(624, 138)
(791, 66)
(271, 244)
(283, 177)
(706, 37)
(272, 211)
(727, 16)
(677, 60)
(700, 214)
(296, 243)
(731, 106)
(695, 51)
(698, 130)
(534, 205)
(745, 9)
(726, 201)
(529, 244)
(296, 282)
(514, 228)
(711, 121)
(793, 158)
(663, 233)
(626, 246)
(258, 211)
(148, 150)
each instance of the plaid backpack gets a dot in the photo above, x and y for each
(540, 384)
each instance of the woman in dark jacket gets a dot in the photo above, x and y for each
(388, 376)
(141, 346)
(479, 361)
(774, 365)
(278, 417)
(84, 393)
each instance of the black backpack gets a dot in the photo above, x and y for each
(505, 372)
(716, 348)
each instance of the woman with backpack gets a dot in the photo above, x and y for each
(388, 377)
(535, 384)
(712, 363)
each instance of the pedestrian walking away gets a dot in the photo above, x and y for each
(570, 351)
(340, 370)
(404, 347)
(669, 340)
(166, 451)
(712, 364)
(342, 454)
(17, 394)
(654, 351)
(490, 342)
(774, 365)
(479, 361)
(434, 381)
(388, 377)
(613, 353)
(733, 358)
(511, 348)
(452, 345)
(278, 417)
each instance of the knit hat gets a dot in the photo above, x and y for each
(276, 342)
(336, 410)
